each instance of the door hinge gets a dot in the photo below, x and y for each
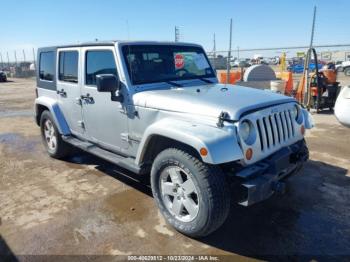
(78, 101)
(125, 137)
(81, 124)
(130, 138)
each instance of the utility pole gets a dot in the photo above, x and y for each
(229, 55)
(8, 59)
(177, 34)
(15, 57)
(2, 61)
(214, 52)
(34, 58)
(307, 96)
(24, 56)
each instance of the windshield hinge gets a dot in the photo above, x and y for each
(224, 116)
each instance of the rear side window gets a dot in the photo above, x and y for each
(68, 66)
(99, 62)
(47, 66)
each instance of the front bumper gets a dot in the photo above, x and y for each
(260, 180)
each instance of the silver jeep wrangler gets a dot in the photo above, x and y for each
(157, 108)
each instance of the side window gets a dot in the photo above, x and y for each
(99, 62)
(47, 66)
(68, 66)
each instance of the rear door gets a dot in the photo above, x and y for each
(68, 87)
(105, 120)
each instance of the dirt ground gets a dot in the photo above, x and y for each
(85, 206)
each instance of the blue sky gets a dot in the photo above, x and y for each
(264, 23)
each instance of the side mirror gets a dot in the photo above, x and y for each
(107, 83)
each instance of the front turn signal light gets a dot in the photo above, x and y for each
(249, 154)
(203, 151)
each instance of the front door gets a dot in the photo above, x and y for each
(68, 88)
(105, 120)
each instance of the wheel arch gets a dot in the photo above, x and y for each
(157, 143)
(45, 103)
(221, 144)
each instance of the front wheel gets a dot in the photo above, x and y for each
(192, 196)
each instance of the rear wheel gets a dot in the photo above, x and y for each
(192, 196)
(52, 139)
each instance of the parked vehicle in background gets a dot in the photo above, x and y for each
(239, 63)
(338, 66)
(219, 63)
(157, 108)
(299, 68)
(342, 106)
(3, 77)
(345, 66)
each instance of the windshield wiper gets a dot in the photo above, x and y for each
(205, 80)
(173, 83)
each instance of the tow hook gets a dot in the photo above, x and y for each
(279, 187)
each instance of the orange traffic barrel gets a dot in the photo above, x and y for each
(288, 77)
(234, 77)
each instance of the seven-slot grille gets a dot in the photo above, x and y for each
(275, 129)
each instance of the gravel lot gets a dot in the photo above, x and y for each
(85, 206)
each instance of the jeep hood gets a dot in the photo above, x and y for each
(209, 100)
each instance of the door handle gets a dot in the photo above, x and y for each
(87, 98)
(62, 92)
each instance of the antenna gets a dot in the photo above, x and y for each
(177, 34)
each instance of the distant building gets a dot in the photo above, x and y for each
(335, 56)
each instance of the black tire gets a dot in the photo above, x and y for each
(62, 149)
(210, 183)
(347, 71)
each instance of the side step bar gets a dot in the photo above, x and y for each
(125, 162)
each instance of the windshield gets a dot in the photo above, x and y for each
(162, 63)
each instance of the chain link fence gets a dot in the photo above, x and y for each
(21, 63)
(280, 60)
(18, 63)
(293, 57)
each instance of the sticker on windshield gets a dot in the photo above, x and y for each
(200, 61)
(179, 61)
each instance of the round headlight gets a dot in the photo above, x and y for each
(246, 132)
(296, 113)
